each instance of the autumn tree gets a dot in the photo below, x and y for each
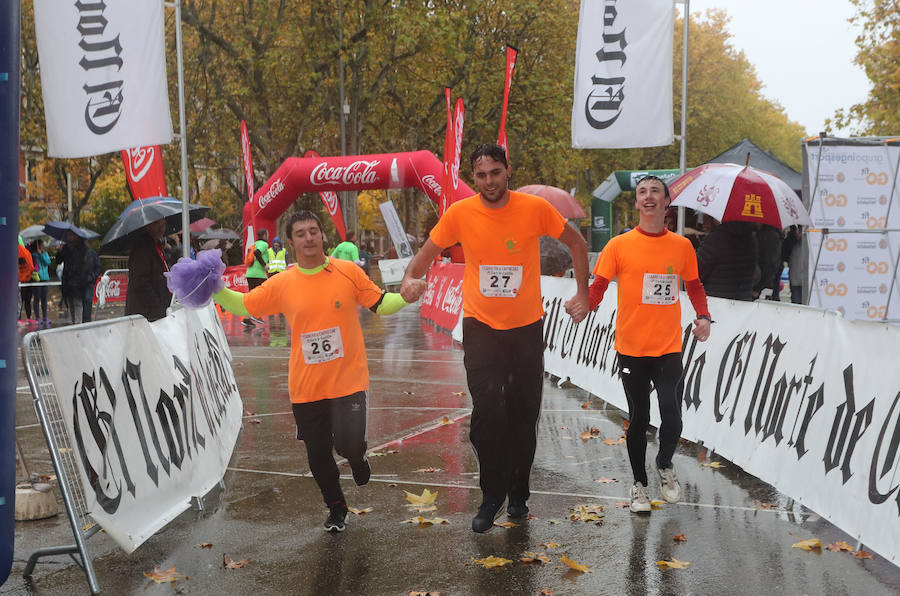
(879, 55)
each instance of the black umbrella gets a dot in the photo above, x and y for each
(145, 211)
(219, 234)
(60, 231)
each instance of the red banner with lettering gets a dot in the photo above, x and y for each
(442, 301)
(511, 54)
(447, 180)
(116, 289)
(248, 176)
(236, 278)
(144, 172)
(332, 204)
(459, 121)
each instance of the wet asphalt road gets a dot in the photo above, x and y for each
(271, 512)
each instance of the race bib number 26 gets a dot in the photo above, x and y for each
(500, 281)
(322, 346)
(660, 288)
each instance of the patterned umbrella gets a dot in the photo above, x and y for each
(145, 211)
(60, 230)
(729, 192)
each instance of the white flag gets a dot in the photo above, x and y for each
(103, 73)
(623, 74)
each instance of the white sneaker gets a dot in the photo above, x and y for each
(669, 487)
(640, 502)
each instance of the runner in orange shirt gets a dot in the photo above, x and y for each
(502, 321)
(328, 374)
(648, 263)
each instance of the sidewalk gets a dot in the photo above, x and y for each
(739, 530)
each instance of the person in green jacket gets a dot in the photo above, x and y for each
(347, 250)
(256, 268)
(277, 258)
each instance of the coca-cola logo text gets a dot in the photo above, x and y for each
(429, 181)
(359, 172)
(331, 201)
(458, 132)
(453, 298)
(248, 159)
(140, 160)
(274, 190)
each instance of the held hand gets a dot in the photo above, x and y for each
(577, 307)
(412, 289)
(701, 329)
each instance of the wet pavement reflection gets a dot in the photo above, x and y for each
(270, 510)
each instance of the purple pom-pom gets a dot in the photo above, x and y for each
(195, 281)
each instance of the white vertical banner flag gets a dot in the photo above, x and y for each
(623, 74)
(103, 73)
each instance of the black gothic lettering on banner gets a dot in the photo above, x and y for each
(842, 440)
(889, 460)
(603, 105)
(102, 429)
(104, 100)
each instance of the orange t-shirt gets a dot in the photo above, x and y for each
(26, 264)
(502, 279)
(328, 355)
(648, 271)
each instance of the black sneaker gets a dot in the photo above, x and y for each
(337, 516)
(361, 471)
(517, 508)
(487, 513)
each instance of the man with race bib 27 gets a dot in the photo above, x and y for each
(648, 263)
(328, 374)
(503, 342)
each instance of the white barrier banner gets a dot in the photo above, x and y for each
(800, 397)
(623, 74)
(154, 412)
(103, 75)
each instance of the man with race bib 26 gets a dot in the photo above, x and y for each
(649, 263)
(503, 343)
(328, 374)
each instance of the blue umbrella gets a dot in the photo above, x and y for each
(145, 211)
(60, 230)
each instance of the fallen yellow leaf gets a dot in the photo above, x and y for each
(761, 505)
(605, 480)
(673, 564)
(618, 441)
(446, 420)
(680, 538)
(587, 513)
(356, 511)
(713, 464)
(230, 563)
(163, 577)
(657, 504)
(575, 565)
(863, 554)
(420, 593)
(622, 505)
(549, 544)
(491, 561)
(425, 522)
(426, 498)
(586, 406)
(506, 524)
(810, 544)
(459, 393)
(429, 470)
(529, 557)
(204, 545)
(547, 592)
(839, 546)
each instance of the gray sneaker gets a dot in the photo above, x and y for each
(640, 502)
(669, 487)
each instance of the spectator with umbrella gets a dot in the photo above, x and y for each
(73, 256)
(41, 267)
(142, 226)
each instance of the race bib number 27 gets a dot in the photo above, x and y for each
(322, 346)
(660, 288)
(500, 281)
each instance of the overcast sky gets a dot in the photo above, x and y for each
(803, 52)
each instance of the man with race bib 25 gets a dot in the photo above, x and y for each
(503, 342)
(328, 374)
(649, 263)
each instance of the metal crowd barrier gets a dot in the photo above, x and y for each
(63, 454)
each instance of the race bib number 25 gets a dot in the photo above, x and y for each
(322, 346)
(500, 281)
(660, 288)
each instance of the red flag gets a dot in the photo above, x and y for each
(447, 182)
(511, 54)
(144, 171)
(458, 125)
(332, 204)
(248, 174)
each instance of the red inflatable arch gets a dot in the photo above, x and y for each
(297, 175)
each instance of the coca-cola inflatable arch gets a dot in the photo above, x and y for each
(297, 175)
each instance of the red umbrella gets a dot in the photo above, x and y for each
(565, 203)
(729, 192)
(201, 225)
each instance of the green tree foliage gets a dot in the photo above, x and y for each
(879, 55)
